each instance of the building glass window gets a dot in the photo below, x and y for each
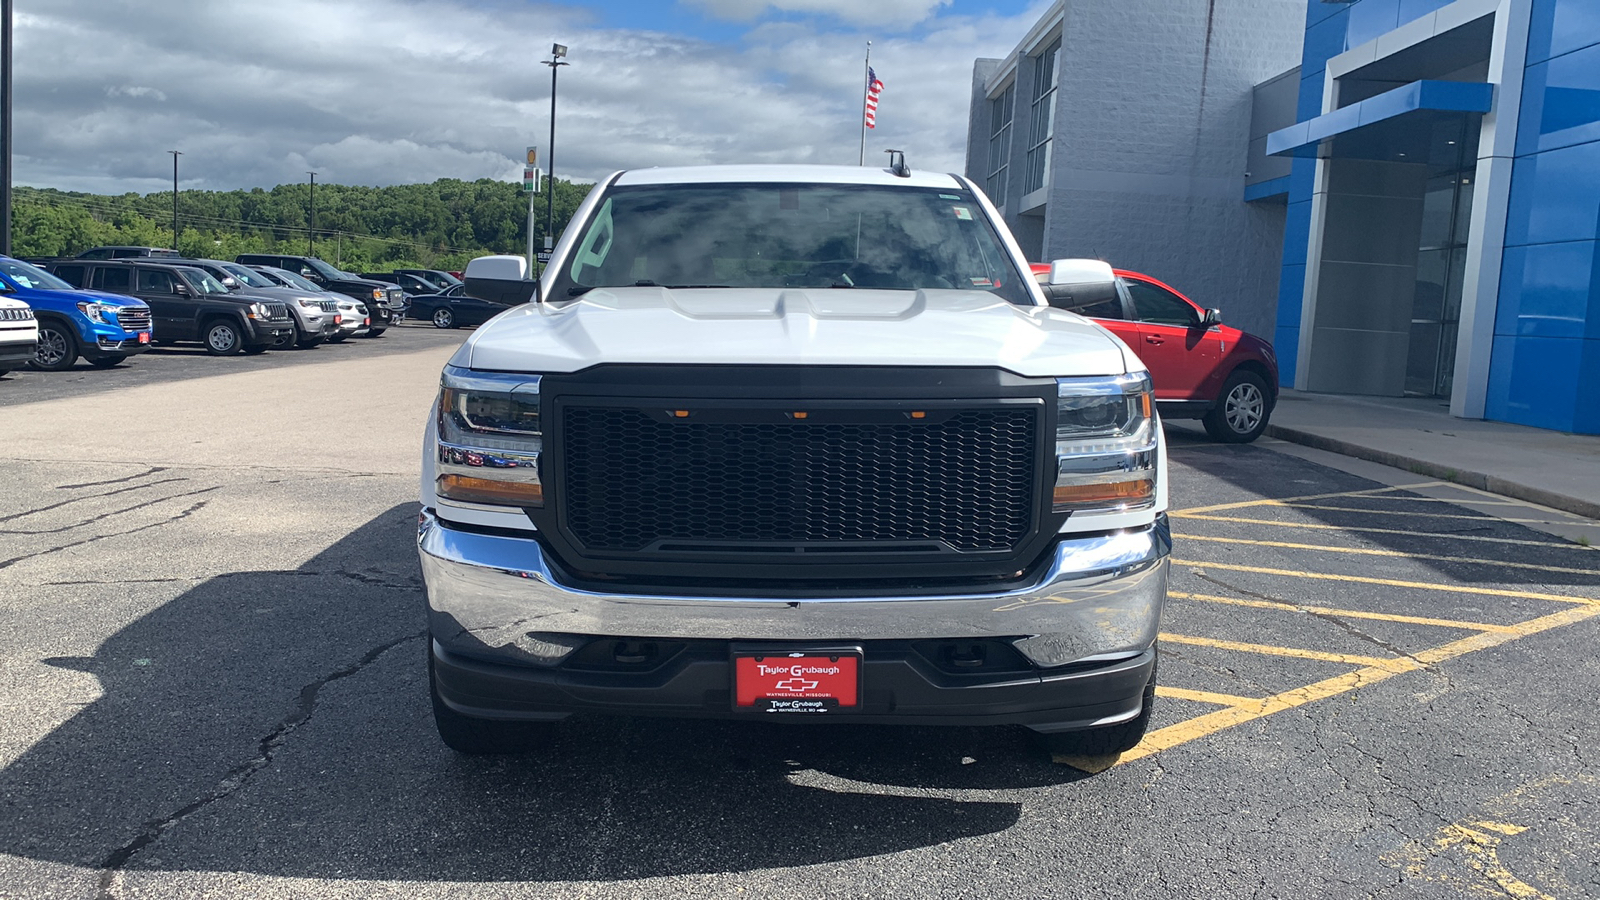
(1042, 116)
(1000, 114)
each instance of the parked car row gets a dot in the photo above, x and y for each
(1201, 368)
(110, 303)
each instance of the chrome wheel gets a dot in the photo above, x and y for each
(444, 318)
(1244, 407)
(54, 350)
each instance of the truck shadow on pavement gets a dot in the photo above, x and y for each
(277, 723)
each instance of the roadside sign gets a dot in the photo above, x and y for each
(533, 157)
(544, 257)
(530, 180)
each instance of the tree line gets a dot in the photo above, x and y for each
(439, 225)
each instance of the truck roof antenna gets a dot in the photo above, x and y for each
(897, 163)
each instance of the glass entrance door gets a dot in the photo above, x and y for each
(1442, 261)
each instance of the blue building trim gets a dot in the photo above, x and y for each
(1277, 187)
(1418, 97)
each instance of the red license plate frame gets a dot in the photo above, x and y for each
(796, 680)
(144, 337)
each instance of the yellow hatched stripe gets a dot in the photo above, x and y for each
(1173, 693)
(1278, 501)
(1372, 551)
(1398, 664)
(1210, 723)
(1391, 582)
(1344, 613)
(1318, 526)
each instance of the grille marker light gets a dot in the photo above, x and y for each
(680, 413)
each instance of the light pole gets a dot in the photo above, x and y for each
(175, 155)
(5, 127)
(557, 52)
(311, 233)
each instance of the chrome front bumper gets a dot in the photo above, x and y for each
(1100, 598)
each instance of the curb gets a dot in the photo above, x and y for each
(1490, 483)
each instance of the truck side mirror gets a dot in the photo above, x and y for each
(1081, 283)
(1212, 317)
(500, 279)
(181, 289)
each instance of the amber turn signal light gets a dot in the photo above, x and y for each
(1069, 497)
(484, 490)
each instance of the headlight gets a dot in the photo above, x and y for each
(1105, 444)
(490, 438)
(95, 311)
(377, 293)
(257, 311)
(309, 303)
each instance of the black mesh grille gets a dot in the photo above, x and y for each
(632, 481)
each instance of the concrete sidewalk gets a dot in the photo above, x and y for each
(1550, 468)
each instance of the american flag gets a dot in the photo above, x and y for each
(874, 88)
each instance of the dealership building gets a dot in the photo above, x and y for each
(1403, 194)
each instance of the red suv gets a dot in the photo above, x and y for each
(1202, 369)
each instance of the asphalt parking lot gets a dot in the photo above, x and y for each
(212, 684)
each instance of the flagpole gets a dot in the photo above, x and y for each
(866, 85)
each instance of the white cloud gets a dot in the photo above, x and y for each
(128, 90)
(393, 91)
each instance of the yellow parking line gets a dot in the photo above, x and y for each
(1173, 693)
(1210, 723)
(1343, 613)
(1318, 526)
(1390, 582)
(1424, 515)
(1398, 664)
(1373, 551)
(1276, 501)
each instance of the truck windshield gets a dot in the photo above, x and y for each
(791, 235)
(327, 271)
(31, 277)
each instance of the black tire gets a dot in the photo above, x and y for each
(1110, 740)
(1242, 410)
(482, 737)
(106, 362)
(222, 337)
(444, 318)
(57, 349)
(376, 332)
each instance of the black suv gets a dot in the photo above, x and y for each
(186, 304)
(386, 303)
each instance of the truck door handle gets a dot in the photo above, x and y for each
(1153, 339)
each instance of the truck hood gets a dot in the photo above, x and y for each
(78, 296)
(788, 326)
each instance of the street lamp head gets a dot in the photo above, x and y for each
(558, 50)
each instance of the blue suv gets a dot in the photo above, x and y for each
(103, 328)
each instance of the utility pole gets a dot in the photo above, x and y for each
(5, 127)
(557, 52)
(311, 234)
(175, 155)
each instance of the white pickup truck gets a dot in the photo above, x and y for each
(801, 444)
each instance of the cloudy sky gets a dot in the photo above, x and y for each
(396, 91)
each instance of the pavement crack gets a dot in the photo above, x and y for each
(116, 512)
(1337, 621)
(153, 470)
(7, 563)
(237, 777)
(100, 496)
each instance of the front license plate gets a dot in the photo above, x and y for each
(800, 682)
(144, 337)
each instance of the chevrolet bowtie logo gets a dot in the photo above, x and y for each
(795, 684)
